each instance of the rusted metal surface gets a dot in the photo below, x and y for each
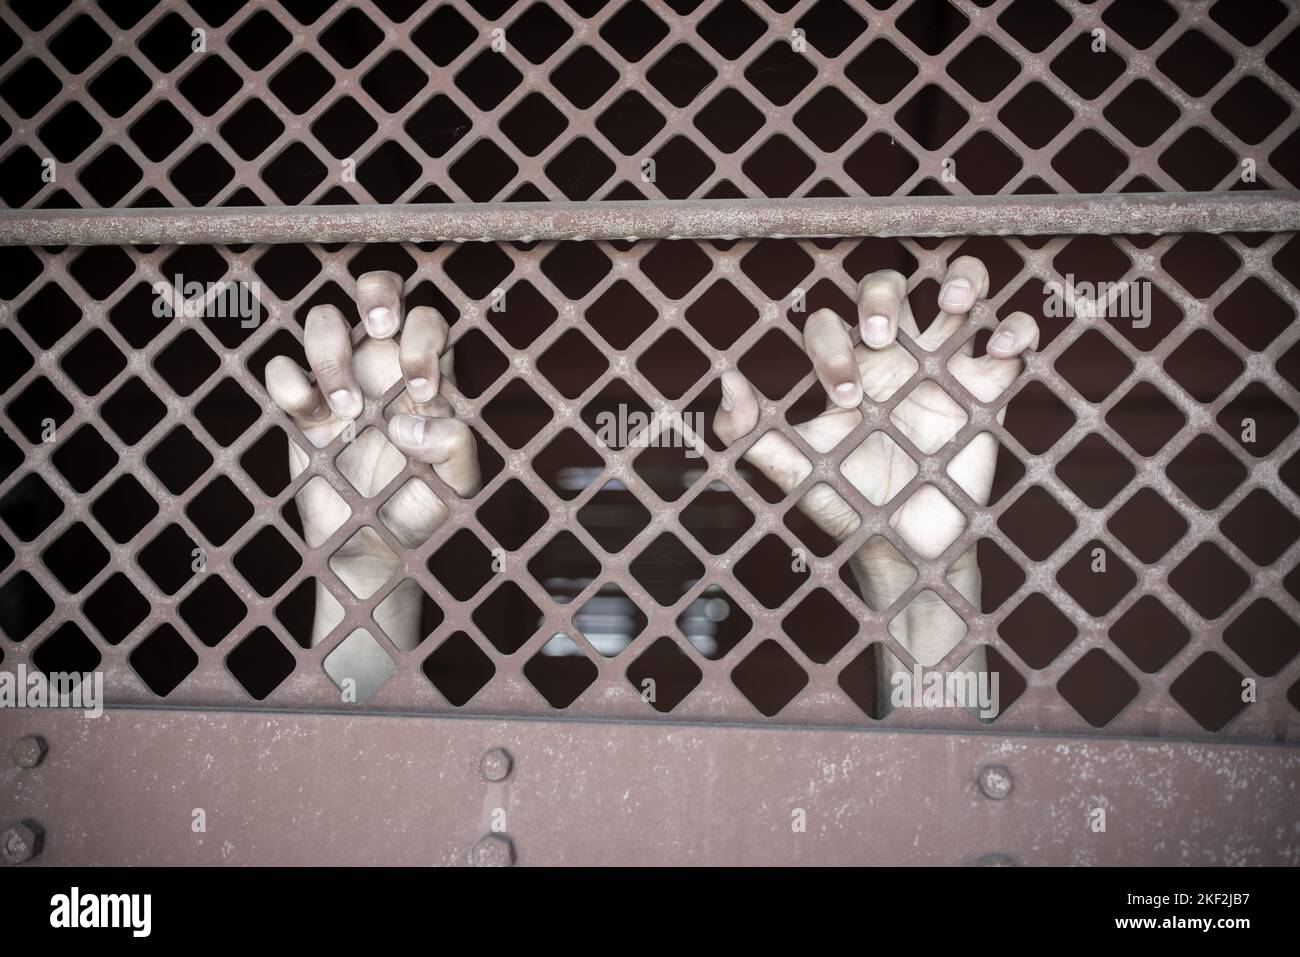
(1131, 213)
(307, 790)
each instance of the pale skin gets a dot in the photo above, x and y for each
(412, 347)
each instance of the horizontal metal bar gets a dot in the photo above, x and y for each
(1130, 213)
(623, 793)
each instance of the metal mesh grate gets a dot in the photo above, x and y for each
(1124, 436)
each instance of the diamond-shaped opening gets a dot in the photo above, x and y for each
(124, 508)
(1203, 366)
(1037, 418)
(613, 516)
(634, 31)
(226, 412)
(117, 88)
(407, 616)
(387, 173)
(1141, 112)
(349, 38)
(1258, 420)
(944, 629)
(717, 518)
(769, 677)
(664, 675)
(30, 506)
(179, 459)
(929, 522)
(48, 315)
(670, 464)
(1201, 263)
(680, 168)
(780, 72)
(1262, 527)
(829, 119)
(609, 620)
(932, 117)
(81, 42)
(673, 364)
(345, 126)
(572, 364)
(1145, 418)
(1097, 687)
(462, 565)
(820, 626)
(835, 519)
(1206, 471)
(211, 609)
(508, 618)
(267, 561)
(133, 410)
(713, 623)
(170, 559)
(458, 668)
(1037, 523)
(932, 24)
(984, 164)
(1194, 62)
(665, 568)
(325, 507)
(861, 680)
(568, 465)
(532, 125)
(729, 120)
(538, 33)
(1148, 525)
(483, 170)
(525, 316)
(1096, 578)
(794, 471)
(564, 567)
(210, 84)
(1210, 691)
(579, 169)
(394, 80)
(357, 560)
(1209, 581)
(881, 70)
(629, 122)
(774, 364)
(1095, 471)
(37, 404)
(517, 413)
(677, 265)
(186, 363)
(1140, 22)
(576, 268)
(1198, 161)
(1089, 71)
(358, 666)
(116, 608)
(219, 510)
(1034, 23)
(24, 605)
(878, 468)
(444, 36)
(772, 571)
(1264, 636)
(983, 68)
(513, 514)
(260, 663)
(928, 403)
(1149, 633)
(583, 77)
(999, 574)
(75, 557)
(1251, 110)
(1254, 313)
(370, 462)
(1094, 366)
(67, 651)
(778, 166)
(28, 88)
(163, 660)
(1090, 162)
(412, 513)
(560, 671)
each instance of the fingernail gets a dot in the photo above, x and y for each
(344, 404)
(726, 400)
(382, 321)
(409, 429)
(1002, 342)
(877, 331)
(848, 394)
(420, 389)
(957, 294)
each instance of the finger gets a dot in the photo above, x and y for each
(292, 392)
(379, 300)
(445, 444)
(423, 338)
(738, 411)
(881, 296)
(965, 281)
(828, 345)
(329, 353)
(1015, 334)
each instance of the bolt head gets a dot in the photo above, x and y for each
(494, 850)
(496, 764)
(996, 782)
(30, 751)
(21, 842)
